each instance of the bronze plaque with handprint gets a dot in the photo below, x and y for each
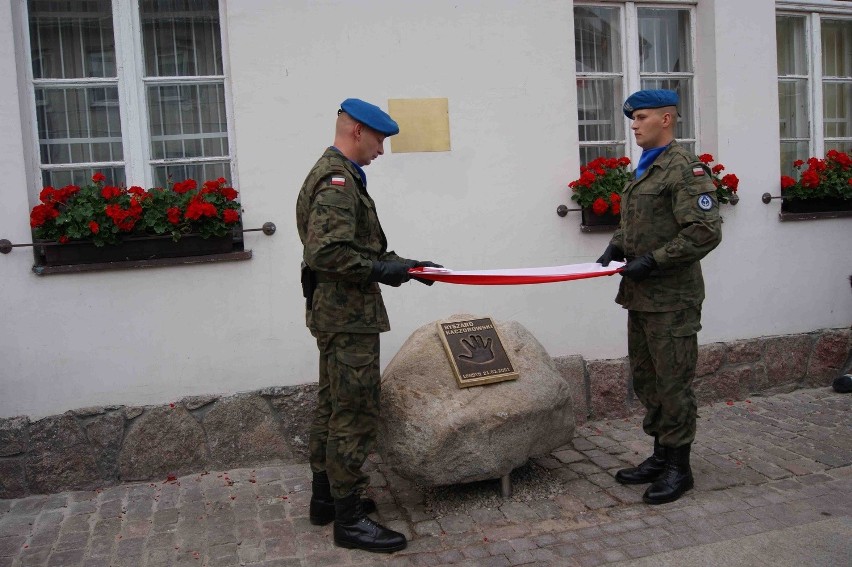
(476, 352)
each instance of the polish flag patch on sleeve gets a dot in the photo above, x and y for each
(341, 181)
(697, 171)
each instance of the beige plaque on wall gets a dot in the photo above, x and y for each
(476, 352)
(424, 124)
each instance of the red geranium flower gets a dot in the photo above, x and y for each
(725, 186)
(98, 177)
(600, 183)
(173, 214)
(41, 214)
(600, 206)
(104, 214)
(824, 178)
(731, 181)
(184, 186)
(46, 195)
(110, 192)
(230, 216)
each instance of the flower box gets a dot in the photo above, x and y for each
(822, 191)
(100, 226)
(598, 192)
(815, 205)
(593, 222)
(133, 249)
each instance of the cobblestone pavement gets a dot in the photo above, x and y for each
(761, 465)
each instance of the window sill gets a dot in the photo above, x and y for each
(814, 216)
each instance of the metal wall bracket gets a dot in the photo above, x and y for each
(563, 210)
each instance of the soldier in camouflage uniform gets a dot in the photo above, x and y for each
(345, 258)
(669, 221)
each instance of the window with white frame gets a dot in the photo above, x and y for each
(623, 48)
(142, 109)
(814, 84)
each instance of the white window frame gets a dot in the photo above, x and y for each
(133, 107)
(813, 12)
(631, 79)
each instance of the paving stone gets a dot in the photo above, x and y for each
(590, 559)
(778, 462)
(430, 527)
(568, 456)
(518, 512)
(520, 558)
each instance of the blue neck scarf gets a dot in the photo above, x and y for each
(648, 157)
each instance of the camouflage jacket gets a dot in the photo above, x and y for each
(341, 236)
(672, 212)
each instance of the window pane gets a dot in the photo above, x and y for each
(792, 47)
(188, 121)
(837, 48)
(589, 153)
(793, 108)
(837, 94)
(599, 109)
(597, 40)
(837, 109)
(78, 125)
(63, 177)
(685, 127)
(664, 41)
(201, 172)
(840, 146)
(181, 37)
(71, 40)
(790, 152)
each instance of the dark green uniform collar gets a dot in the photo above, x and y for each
(356, 170)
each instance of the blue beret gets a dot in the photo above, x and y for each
(370, 115)
(653, 98)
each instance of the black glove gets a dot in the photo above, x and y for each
(424, 264)
(640, 268)
(390, 273)
(611, 253)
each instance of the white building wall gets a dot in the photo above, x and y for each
(507, 69)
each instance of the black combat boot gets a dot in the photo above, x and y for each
(354, 529)
(675, 480)
(322, 503)
(648, 470)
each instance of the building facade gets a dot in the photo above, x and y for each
(144, 90)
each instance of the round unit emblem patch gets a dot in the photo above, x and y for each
(705, 203)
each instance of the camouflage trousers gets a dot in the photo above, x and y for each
(343, 431)
(663, 349)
